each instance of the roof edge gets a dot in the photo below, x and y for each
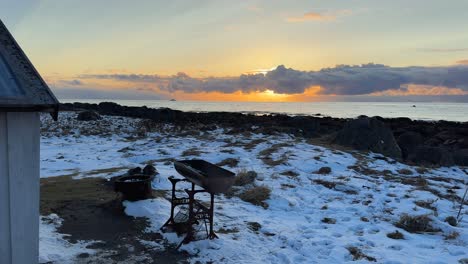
(30, 64)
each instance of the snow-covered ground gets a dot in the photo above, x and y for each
(309, 217)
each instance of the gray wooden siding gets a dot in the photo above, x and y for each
(22, 174)
(5, 249)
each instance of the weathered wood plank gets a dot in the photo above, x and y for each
(23, 155)
(5, 248)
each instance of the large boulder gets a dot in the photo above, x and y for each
(408, 142)
(369, 134)
(460, 157)
(432, 155)
(88, 116)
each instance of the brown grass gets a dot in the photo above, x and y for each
(422, 170)
(245, 177)
(405, 171)
(428, 204)
(256, 195)
(274, 148)
(358, 254)
(265, 155)
(252, 144)
(228, 230)
(396, 235)
(272, 162)
(416, 223)
(230, 162)
(290, 173)
(328, 184)
(191, 152)
(452, 235)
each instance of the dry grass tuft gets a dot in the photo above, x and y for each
(416, 223)
(252, 144)
(428, 204)
(228, 230)
(396, 235)
(256, 195)
(191, 152)
(422, 170)
(414, 181)
(290, 173)
(328, 184)
(358, 254)
(452, 235)
(274, 148)
(265, 155)
(405, 171)
(272, 162)
(230, 162)
(245, 177)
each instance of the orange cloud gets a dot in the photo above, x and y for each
(311, 94)
(315, 16)
(463, 62)
(413, 89)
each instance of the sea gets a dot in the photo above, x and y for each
(416, 111)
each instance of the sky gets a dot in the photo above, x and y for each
(259, 50)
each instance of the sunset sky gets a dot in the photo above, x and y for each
(246, 50)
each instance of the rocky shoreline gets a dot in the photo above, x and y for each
(429, 143)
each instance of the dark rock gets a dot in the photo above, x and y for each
(208, 128)
(134, 171)
(109, 108)
(460, 157)
(88, 116)
(369, 134)
(324, 170)
(83, 255)
(451, 220)
(408, 142)
(431, 155)
(150, 170)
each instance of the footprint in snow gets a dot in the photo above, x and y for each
(346, 219)
(373, 230)
(395, 247)
(337, 235)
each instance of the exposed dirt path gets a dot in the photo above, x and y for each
(91, 210)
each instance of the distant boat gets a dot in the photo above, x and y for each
(172, 100)
(414, 105)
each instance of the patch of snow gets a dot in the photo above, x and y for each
(293, 229)
(53, 248)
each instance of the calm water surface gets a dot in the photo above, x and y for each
(422, 111)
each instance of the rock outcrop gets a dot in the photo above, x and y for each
(369, 134)
(88, 116)
(447, 141)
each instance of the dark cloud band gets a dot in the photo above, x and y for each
(339, 80)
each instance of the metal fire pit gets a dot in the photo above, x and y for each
(134, 187)
(212, 179)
